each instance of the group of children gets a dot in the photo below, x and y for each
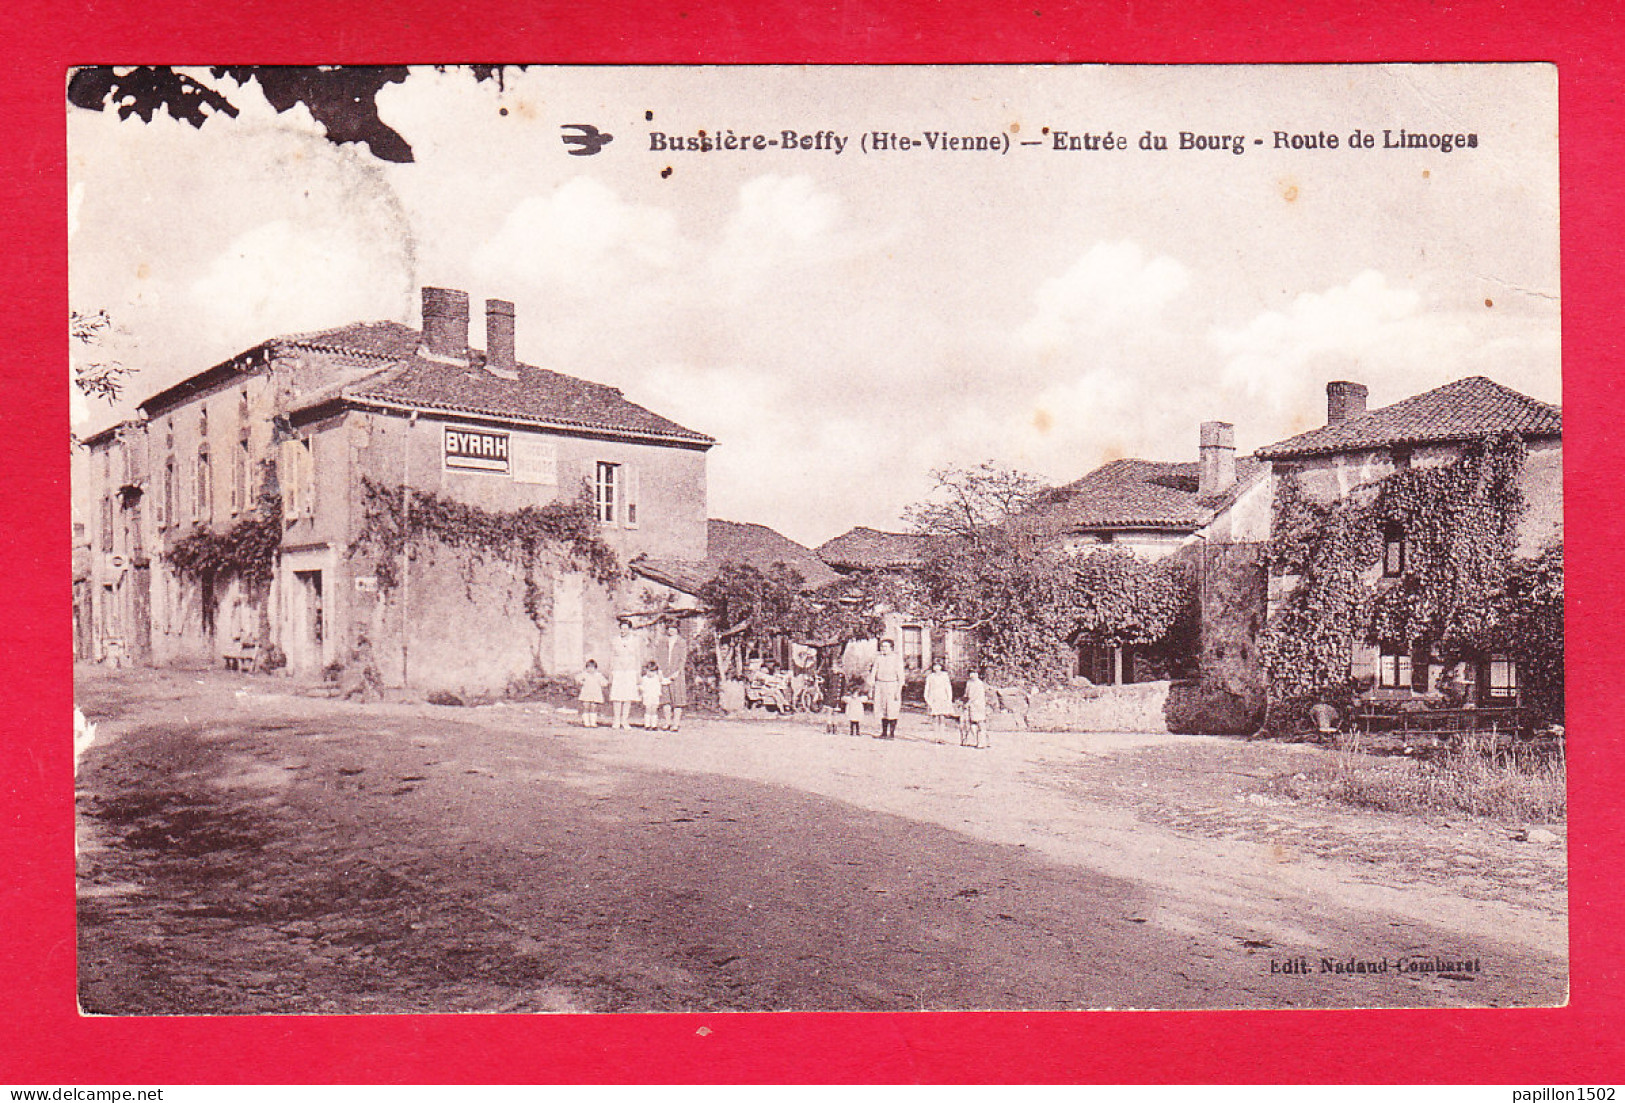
(650, 686)
(939, 702)
(939, 705)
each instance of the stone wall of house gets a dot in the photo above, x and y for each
(1228, 697)
(456, 620)
(1327, 478)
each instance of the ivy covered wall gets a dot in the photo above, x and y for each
(1461, 594)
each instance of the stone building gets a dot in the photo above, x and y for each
(1357, 449)
(313, 433)
(112, 567)
(1214, 513)
(918, 638)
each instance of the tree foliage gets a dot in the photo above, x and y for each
(758, 603)
(343, 99)
(1463, 590)
(1529, 624)
(1031, 603)
(1120, 599)
(100, 377)
(968, 501)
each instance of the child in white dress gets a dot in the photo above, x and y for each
(649, 687)
(854, 708)
(975, 712)
(939, 697)
(592, 694)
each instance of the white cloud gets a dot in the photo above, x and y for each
(581, 233)
(279, 277)
(1112, 285)
(1368, 330)
(780, 220)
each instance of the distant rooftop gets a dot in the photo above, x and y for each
(736, 542)
(867, 549)
(1132, 494)
(1467, 408)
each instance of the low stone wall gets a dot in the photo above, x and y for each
(1141, 707)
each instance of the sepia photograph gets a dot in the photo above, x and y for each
(510, 504)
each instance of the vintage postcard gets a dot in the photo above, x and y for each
(853, 538)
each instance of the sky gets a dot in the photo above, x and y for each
(846, 323)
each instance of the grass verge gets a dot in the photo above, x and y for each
(1481, 779)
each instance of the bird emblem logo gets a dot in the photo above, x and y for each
(587, 142)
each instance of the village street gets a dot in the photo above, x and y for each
(247, 848)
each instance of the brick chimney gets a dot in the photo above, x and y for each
(445, 323)
(1344, 400)
(1217, 471)
(499, 354)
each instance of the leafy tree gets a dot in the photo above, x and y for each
(746, 603)
(1030, 601)
(1120, 599)
(1026, 598)
(850, 608)
(967, 502)
(1530, 626)
(100, 377)
(344, 99)
(770, 603)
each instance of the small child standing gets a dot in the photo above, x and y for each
(854, 708)
(649, 687)
(939, 697)
(592, 694)
(975, 711)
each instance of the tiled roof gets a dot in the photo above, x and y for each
(866, 549)
(390, 340)
(538, 395)
(1467, 408)
(688, 576)
(734, 542)
(762, 547)
(397, 375)
(1131, 494)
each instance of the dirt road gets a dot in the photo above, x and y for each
(245, 849)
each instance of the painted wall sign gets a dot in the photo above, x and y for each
(477, 450)
(535, 460)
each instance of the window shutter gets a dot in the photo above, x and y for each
(288, 474)
(1421, 668)
(629, 479)
(589, 479)
(308, 489)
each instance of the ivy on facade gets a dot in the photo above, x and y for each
(518, 537)
(1456, 595)
(1031, 602)
(247, 551)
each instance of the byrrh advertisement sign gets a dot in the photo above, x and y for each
(477, 449)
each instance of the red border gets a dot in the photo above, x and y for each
(49, 1044)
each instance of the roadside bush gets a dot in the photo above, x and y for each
(441, 697)
(1205, 708)
(537, 684)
